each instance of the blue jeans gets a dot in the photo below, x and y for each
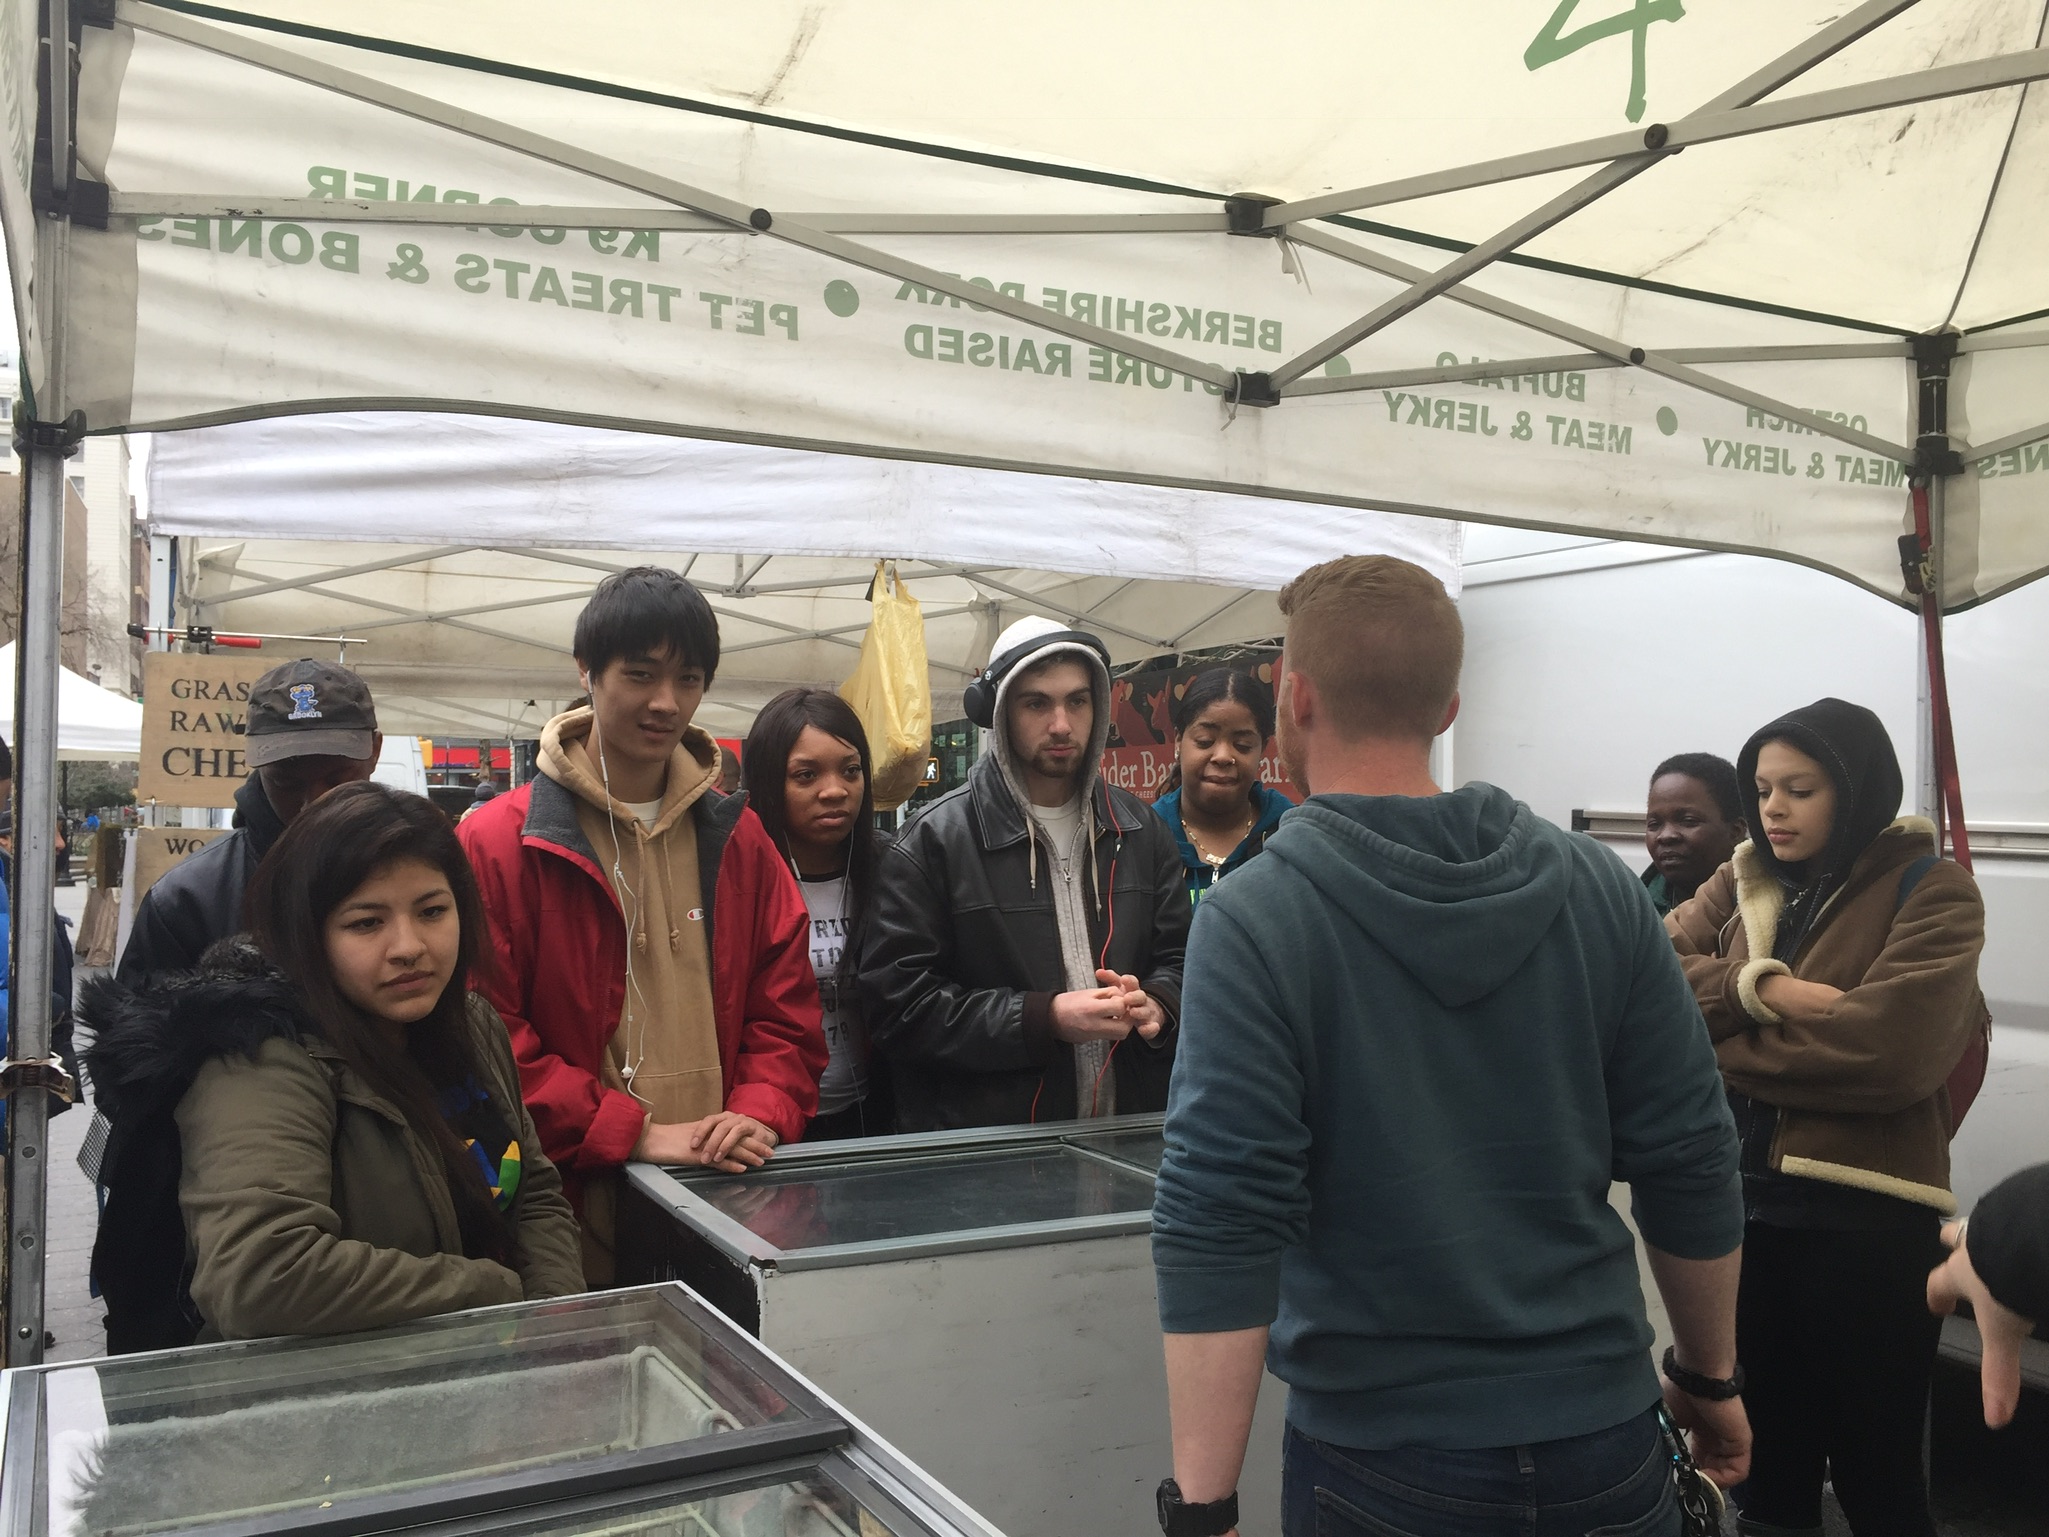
(1613, 1483)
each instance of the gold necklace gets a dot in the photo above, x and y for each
(1217, 861)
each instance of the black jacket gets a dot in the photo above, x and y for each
(961, 958)
(199, 901)
(144, 1054)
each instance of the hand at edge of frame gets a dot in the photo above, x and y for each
(2000, 1328)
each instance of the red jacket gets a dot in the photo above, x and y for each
(558, 943)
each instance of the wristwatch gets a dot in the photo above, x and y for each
(1180, 1519)
(1694, 1385)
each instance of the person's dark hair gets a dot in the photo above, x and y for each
(1206, 689)
(642, 611)
(764, 771)
(327, 851)
(6, 760)
(1718, 774)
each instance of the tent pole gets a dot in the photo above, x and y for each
(1928, 794)
(44, 439)
(29, 1065)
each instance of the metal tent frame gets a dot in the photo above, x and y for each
(966, 607)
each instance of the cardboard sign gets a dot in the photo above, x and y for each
(157, 849)
(193, 709)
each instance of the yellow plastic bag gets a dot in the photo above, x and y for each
(891, 690)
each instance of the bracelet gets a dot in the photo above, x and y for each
(1696, 1385)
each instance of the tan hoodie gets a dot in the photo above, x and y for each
(666, 1051)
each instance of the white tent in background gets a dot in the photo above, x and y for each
(92, 722)
(471, 636)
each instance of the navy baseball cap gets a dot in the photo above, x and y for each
(305, 709)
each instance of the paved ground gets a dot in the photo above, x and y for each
(70, 1312)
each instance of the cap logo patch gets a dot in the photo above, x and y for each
(305, 705)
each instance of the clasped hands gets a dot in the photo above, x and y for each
(1107, 1013)
(728, 1141)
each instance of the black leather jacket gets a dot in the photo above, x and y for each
(199, 900)
(961, 959)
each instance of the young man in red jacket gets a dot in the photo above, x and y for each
(651, 948)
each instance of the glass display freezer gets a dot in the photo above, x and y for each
(984, 1299)
(639, 1411)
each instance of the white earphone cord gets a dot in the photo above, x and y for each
(635, 1029)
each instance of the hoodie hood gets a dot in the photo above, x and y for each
(997, 741)
(1851, 743)
(1457, 889)
(567, 758)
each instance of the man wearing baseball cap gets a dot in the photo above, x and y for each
(312, 726)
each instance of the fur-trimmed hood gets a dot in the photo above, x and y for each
(149, 1041)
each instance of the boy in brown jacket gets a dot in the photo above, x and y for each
(1835, 958)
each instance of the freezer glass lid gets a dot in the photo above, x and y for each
(1144, 1146)
(874, 1200)
(262, 1434)
(832, 1500)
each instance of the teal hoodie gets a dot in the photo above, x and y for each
(1419, 1038)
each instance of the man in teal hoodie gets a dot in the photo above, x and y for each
(1419, 1039)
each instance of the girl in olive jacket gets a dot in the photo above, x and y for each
(1835, 959)
(350, 1147)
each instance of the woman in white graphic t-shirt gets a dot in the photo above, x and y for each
(807, 771)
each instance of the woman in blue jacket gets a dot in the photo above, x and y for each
(1216, 807)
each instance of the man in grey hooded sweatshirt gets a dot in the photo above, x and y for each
(1023, 955)
(1423, 1033)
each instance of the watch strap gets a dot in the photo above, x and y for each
(1178, 1518)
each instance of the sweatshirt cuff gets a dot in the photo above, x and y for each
(1038, 1025)
(1747, 977)
(1698, 1222)
(1207, 1298)
(614, 1132)
(776, 1110)
(2008, 1242)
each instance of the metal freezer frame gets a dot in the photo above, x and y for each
(821, 1439)
(669, 1189)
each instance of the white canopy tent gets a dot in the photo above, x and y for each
(837, 227)
(1138, 244)
(473, 639)
(92, 722)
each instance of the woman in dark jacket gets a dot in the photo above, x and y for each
(1216, 807)
(350, 1143)
(807, 772)
(1835, 958)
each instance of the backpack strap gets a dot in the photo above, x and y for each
(1911, 877)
